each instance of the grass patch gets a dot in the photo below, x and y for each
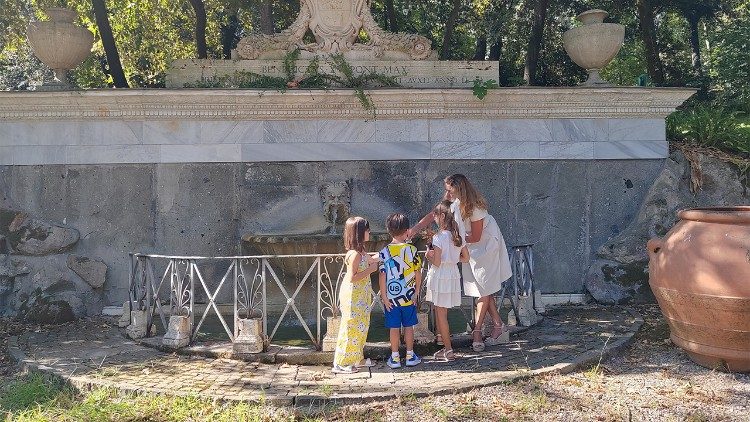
(36, 397)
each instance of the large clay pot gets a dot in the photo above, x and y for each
(58, 43)
(594, 44)
(700, 274)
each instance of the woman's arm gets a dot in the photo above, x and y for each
(434, 255)
(424, 222)
(476, 231)
(464, 255)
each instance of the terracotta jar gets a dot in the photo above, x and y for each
(700, 275)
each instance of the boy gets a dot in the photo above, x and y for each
(400, 280)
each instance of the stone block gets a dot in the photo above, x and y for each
(457, 150)
(137, 327)
(106, 154)
(216, 153)
(422, 333)
(92, 271)
(111, 133)
(387, 131)
(231, 132)
(178, 332)
(249, 338)
(620, 150)
(124, 320)
(521, 130)
(332, 331)
(459, 130)
(637, 130)
(566, 150)
(30, 236)
(512, 150)
(580, 130)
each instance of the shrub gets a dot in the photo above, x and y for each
(711, 126)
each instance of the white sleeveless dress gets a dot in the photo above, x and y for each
(489, 265)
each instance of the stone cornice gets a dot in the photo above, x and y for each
(208, 104)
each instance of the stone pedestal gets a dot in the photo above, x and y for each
(332, 334)
(538, 303)
(526, 313)
(178, 332)
(137, 327)
(249, 337)
(422, 333)
(125, 317)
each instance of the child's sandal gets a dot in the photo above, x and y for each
(344, 369)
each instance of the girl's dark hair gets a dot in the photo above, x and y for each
(443, 210)
(354, 233)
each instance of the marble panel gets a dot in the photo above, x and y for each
(290, 131)
(566, 150)
(521, 130)
(463, 130)
(231, 132)
(631, 150)
(512, 150)
(112, 154)
(39, 133)
(165, 132)
(457, 150)
(37, 154)
(346, 131)
(111, 133)
(637, 130)
(336, 152)
(580, 130)
(217, 153)
(401, 130)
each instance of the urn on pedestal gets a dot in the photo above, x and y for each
(59, 43)
(594, 44)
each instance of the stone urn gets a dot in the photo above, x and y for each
(594, 44)
(700, 275)
(59, 43)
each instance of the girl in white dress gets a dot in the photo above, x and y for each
(443, 278)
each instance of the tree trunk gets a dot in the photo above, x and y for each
(695, 46)
(391, 15)
(445, 53)
(266, 18)
(200, 28)
(496, 49)
(535, 41)
(481, 50)
(108, 41)
(229, 35)
(648, 35)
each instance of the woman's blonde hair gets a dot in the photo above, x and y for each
(443, 209)
(468, 195)
(354, 233)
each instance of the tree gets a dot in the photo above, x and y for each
(648, 35)
(266, 17)
(535, 41)
(108, 41)
(390, 11)
(450, 25)
(694, 11)
(200, 28)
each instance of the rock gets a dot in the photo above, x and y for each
(619, 274)
(42, 308)
(29, 236)
(92, 271)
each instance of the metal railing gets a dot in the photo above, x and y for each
(182, 279)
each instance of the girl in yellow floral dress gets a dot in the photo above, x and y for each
(355, 299)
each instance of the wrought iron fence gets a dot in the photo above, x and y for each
(184, 278)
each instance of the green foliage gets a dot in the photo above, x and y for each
(34, 389)
(710, 126)
(481, 87)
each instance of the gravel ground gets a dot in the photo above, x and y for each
(652, 380)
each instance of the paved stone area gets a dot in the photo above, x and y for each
(93, 353)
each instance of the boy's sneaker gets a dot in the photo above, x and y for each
(413, 360)
(394, 362)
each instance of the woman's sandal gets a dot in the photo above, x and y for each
(366, 363)
(493, 341)
(444, 355)
(477, 346)
(344, 369)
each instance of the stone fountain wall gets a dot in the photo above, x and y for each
(191, 172)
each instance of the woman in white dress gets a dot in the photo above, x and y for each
(489, 265)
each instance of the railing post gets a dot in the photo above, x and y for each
(237, 262)
(265, 301)
(192, 298)
(317, 311)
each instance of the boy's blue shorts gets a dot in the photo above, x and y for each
(401, 316)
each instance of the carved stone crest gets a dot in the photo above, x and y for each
(336, 25)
